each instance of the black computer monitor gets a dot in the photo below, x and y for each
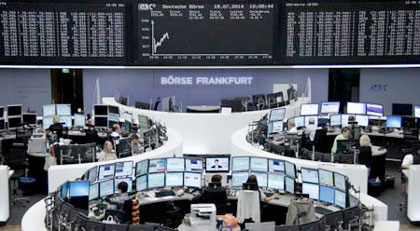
(1, 111)
(402, 109)
(346, 146)
(408, 122)
(2, 125)
(14, 110)
(101, 122)
(29, 118)
(113, 110)
(101, 110)
(15, 122)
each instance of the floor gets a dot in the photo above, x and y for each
(392, 197)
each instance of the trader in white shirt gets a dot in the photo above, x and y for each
(291, 126)
(310, 130)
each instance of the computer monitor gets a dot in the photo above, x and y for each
(261, 179)
(92, 174)
(47, 121)
(290, 185)
(326, 194)
(309, 109)
(123, 169)
(29, 118)
(79, 189)
(156, 180)
(276, 181)
(277, 114)
(94, 191)
(142, 167)
(335, 120)
(362, 120)
(15, 122)
(141, 183)
(309, 175)
(340, 181)
(192, 180)
(402, 109)
(101, 122)
(393, 121)
(1, 111)
(66, 120)
(128, 181)
(277, 127)
(356, 108)
(309, 118)
(193, 165)
(275, 165)
(240, 163)
(340, 198)
(79, 120)
(345, 120)
(106, 188)
(326, 177)
(299, 121)
(64, 190)
(157, 165)
(143, 122)
(239, 178)
(113, 110)
(330, 107)
(174, 179)
(101, 110)
(217, 164)
(64, 109)
(2, 125)
(175, 164)
(14, 110)
(48, 110)
(417, 111)
(311, 189)
(106, 171)
(259, 164)
(290, 169)
(373, 109)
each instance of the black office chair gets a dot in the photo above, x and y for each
(311, 226)
(171, 216)
(319, 140)
(217, 196)
(365, 156)
(333, 221)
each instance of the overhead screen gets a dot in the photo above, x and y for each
(188, 33)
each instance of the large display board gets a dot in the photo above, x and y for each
(63, 32)
(205, 33)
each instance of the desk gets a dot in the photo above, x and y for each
(33, 220)
(205, 133)
(59, 174)
(5, 175)
(387, 226)
(413, 189)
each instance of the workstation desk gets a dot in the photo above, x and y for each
(5, 192)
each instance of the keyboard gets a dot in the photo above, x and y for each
(164, 194)
(322, 210)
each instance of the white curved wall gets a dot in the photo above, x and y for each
(59, 174)
(358, 174)
(205, 133)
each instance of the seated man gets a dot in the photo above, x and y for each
(214, 194)
(410, 159)
(117, 202)
(56, 128)
(310, 130)
(345, 134)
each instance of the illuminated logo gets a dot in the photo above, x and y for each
(144, 7)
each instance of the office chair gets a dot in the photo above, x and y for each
(311, 226)
(333, 221)
(216, 196)
(18, 180)
(319, 140)
(248, 206)
(87, 152)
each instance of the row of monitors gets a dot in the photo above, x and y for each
(109, 121)
(66, 120)
(56, 109)
(125, 169)
(273, 166)
(12, 110)
(16, 122)
(261, 164)
(360, 108)
(149, 181)
(334, 108)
